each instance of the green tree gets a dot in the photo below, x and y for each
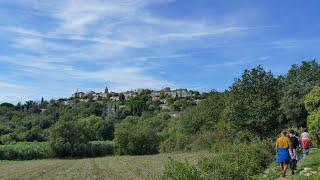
(194, 120)
(312, 104)
(34, 134)
(253, 102)
(296, 84)
(139, 135)
(68, 137)
(136, 106)
(98, 128)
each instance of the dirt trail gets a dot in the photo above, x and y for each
(288, 174)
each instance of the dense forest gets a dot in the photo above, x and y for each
(256, 106)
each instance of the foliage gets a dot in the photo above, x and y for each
(312, 100)
(297, 83)
(97, 128)
(194, 120)
(25, 151)
(100, 148)
(69, 138)
(254, 102)
(41, 150)
(314, 127)
(139, 136)
(176, 170)
(241, 161)
(136, 106)
(312, 103)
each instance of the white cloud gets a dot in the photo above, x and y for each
(112, 34)
(10, 85)
(122, 78)
(171, 56)
(238, 62)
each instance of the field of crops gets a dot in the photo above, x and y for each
(113, 167)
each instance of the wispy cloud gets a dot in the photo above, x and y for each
(238, 62)
(10, 85)
(72, 43)
(171, 56)
(210, 32)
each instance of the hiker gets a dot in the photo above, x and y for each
(299, 153)
(305, 141)
(283, 158)
(294, 154)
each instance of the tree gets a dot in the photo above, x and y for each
(253, 103)
(122, 98)
(193, 121)
(68, 137)
(86, 109)
(98, 128)
(34, 134)
(312, 104)
(297, 83)
(139, 135)
(8, 105)
(136, 106)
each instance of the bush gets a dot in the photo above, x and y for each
(25, 151)
(42, 150)
(175, 170)
(139, 135)
(100, 148)
(241, 161)
(314, 127)
(69, 138)
(312, 103)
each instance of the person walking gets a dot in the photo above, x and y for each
(294, 154)
(305, 141)
(283, 158)
(299, 153)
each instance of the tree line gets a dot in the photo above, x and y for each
(257, 105)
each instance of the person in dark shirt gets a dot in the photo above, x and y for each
(295, 145)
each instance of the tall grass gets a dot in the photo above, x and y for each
(25, 151)
(42, 150)
(241, 161)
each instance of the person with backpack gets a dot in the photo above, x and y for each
(299, 153)
(305, 141)
(294, 154)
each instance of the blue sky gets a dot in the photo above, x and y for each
(52, 48)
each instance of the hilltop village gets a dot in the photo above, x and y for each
(156, 95)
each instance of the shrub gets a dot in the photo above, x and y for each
(312, 104)
(201, 141)
(241, 161)
(314, 127)
(69, 138)
(41, 150)
(100, 148)
(139, 135)
(175, 170)
(25, 151)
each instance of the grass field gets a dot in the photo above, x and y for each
(112, 167)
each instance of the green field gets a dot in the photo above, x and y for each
(112, 167)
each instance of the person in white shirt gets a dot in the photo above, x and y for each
(305, 141)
